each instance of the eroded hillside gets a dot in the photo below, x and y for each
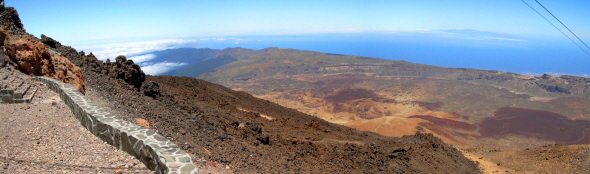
(396, 98)
(232, 131)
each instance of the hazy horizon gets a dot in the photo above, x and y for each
(495, 35)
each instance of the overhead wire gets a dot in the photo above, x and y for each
(562, 23)
(557, 27)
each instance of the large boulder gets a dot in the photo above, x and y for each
(29, 55)
(10, 22)
(151, 89)
(50, 41)
(126, 70)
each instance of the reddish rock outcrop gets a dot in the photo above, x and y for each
(29, 55)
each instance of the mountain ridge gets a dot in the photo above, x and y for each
(226, 131)
(310, 81)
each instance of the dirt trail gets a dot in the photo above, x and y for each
(44, 137)
(486, 166)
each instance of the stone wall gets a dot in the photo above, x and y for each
(1, 55)
(155, 151)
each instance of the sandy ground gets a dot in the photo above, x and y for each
(44, 137)
(486, 165)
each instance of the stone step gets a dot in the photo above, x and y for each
(30, 93)
(24, 100)
(4, 83)
(6, 92)
(4, 76)
(28, 89)
(21, 90)
(15, 83)
(6, 99)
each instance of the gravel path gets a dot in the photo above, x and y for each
(45, 137)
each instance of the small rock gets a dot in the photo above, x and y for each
(207, 151)
(480, 157)
(53, 103)
(142, 122)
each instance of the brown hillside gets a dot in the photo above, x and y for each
(231, 131)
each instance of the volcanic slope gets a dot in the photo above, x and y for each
(232, 131)
(495, 116)
(396, 98)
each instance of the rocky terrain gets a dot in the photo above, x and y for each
(396, 98)
(44, 137)
(485, 113)
(234, 132)
(226, 130)
(29, 55)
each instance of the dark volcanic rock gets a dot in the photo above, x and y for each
(555, 88)
(128, 71)
(151, 89)
(123, 69)
(9, 19)
(486, 75)
(50, 41)
(1, 6)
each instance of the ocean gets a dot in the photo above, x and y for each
(521, 55)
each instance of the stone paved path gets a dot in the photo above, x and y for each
(44, 137)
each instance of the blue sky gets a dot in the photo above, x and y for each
(72, 21)
(133, 27)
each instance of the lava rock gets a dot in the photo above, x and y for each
(128, 71)
(151, 89)
(50, 41)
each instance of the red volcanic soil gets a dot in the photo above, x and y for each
(514, 121)
(216, 124)
(446, 122)
(446, 128)
(346, 95)
(535, 123)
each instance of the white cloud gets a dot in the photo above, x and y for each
(111, 51)
(507, 39)
(458, 34)
(353, 30)
(555, 74)
(142, 58)
(161, 67)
